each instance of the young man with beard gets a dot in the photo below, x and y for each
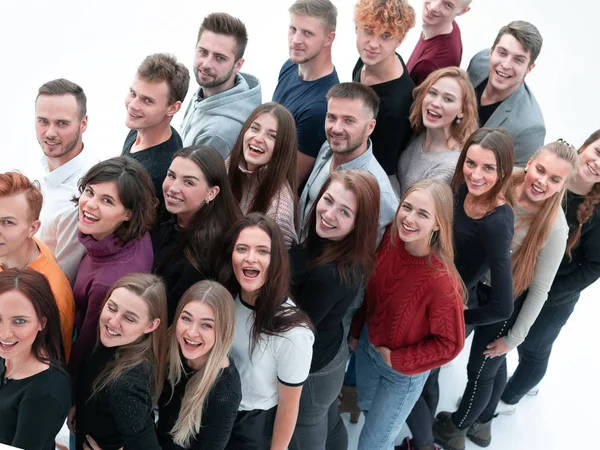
(380, 29)
(350, 120)
(60, 120)
(154, 97)
(306, 77)
(226, 96)
(503, 97)
(440, 44)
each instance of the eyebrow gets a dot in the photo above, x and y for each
(343, 116)
(485, 164)
(8, 217)
(516, 55)
(142, 95)
(56, 120)
(184, 176)
(420, 209)
(208, 319)
(214, 53)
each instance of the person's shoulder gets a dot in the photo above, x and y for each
(52, 381)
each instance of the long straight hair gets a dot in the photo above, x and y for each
(200, 384)
(524, 259)
(355, 253)
(271, 315)
(591, 199)
(147, 349)
(282, 167)
(203, 236)
(441, 244)
(47, 345)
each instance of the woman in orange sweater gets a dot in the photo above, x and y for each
(412, 318)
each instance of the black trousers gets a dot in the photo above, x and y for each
(252, 430)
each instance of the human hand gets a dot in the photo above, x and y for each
(91, 444)
(352, 343)
(497, 348)
(385, 353)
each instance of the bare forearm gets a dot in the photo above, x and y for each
(285, 423)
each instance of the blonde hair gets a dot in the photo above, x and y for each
(200, 384)
(468, 123)
(149, 347)
(441, 244)
(524, 259)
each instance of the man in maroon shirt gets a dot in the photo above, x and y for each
(440, 44)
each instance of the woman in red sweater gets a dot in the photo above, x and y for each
(412, 317)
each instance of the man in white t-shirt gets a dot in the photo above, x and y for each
(60, 120)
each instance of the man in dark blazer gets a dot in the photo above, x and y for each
(503, 97)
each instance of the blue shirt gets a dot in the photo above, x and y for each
(307, 103)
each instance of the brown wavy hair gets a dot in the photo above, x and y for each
(355, 253)
(394, 16)
(469, 122)
(591, 199)
(279, 171)
(524, 259)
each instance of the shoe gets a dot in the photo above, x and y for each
(504, 409)
(534, 391)
(407, 444)
(446, 434)
(348, 403)
(480, 433)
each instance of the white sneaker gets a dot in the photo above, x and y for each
(504, 409)
(534, 391)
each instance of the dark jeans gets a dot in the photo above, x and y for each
(252, 430)
(420, 419)
(534, 352)
(486, 377)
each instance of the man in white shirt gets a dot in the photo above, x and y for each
(60, 120)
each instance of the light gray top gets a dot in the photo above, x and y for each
(415, 165)
(546, 266)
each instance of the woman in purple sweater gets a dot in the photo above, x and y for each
(116, 210)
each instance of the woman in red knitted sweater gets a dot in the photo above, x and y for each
(412, 317)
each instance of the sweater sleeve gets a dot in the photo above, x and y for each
(282, 211)
(447, 328)
(496, 241)
(87, 335)
(131, 407)
(217, 421)
(547, 263)
(41, 417)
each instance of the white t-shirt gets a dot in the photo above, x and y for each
(283, 358)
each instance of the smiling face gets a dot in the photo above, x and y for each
(307, 36)
(546, 175)
(250, 260)
(101, 212)
(442, 104)
(16, 224)
(480, 170)
(442, 12)
(509, 64)
(336, 212)
(373, 47)
(215, 60)
(185, 189)
(124, 319)
(416, 218)
(259, 141)
(147, 104)
(19, 325)
(348, 125)
(195, 331)
(588, 169)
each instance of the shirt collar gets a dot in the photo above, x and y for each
(61, 174)
(361, 161)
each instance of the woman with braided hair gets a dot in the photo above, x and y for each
(579, 268)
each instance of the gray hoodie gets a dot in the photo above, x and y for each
(216, 121)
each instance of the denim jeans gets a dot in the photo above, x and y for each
(319, 425)
(534, 352)
(384, 395)
(420, 419)
(486, 377)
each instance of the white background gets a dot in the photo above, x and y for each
(99, 44)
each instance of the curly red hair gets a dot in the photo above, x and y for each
(385, 16)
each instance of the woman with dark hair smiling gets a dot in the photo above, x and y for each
(262, 167)
(35, 392)
(273, 341)
(198, 194)
(116, 211)
(328, 270)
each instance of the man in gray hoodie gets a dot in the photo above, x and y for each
(226, 96)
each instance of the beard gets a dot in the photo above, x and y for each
(66, 148)
(351, 144)
(218, 81)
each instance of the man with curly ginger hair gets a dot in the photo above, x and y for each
(440, 44)
(381, 26)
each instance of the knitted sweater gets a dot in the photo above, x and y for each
(412, 307)
(104, 263)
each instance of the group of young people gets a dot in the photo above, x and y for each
(206, 290)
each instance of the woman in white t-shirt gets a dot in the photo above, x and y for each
(273, 340)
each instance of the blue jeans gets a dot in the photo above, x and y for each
(384, 395)
(534, 352)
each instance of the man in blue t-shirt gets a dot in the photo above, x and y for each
(306, 77)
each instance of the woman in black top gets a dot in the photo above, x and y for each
(203, 391)
(35, 392)
(579, 268)
(327, 273)
(121, 380)
(197, 192)
(483, 232)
